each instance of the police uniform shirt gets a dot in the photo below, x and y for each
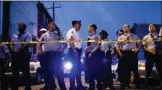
(3, 50)
(72, 34)
(51, 36)
(106, 46)
(92, 45)
(127, 45)
(25, 37)
(150, 37)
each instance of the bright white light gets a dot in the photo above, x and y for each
(68, 65)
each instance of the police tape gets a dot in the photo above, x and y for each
(66, 41)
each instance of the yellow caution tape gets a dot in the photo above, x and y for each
(65, 41)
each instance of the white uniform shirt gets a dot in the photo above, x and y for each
(50, 36)
(25, 37)
(150, 45)
(73, 34)
(106, 46)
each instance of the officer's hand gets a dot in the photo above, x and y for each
(135, 50)
(90, 55)
(120, 54)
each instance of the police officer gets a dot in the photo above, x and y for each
(106, 52)
(92, 62)
(128, 52)
(41, 32)
(118, 33)
(152, 54)
(75, 52)
(160, 40)
(52, 57)
(4, 57)
(20, 55)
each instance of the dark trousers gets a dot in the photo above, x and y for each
(86, 69)
(51, 63)
(106, 74)
(2, 75)
(128, 63)
(20, 62)
(150, 61)
(93, 68)
(75, 72)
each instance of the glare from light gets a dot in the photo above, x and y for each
(68, 65)
(62, 58)
(82, 60)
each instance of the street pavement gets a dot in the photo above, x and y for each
(116, 85)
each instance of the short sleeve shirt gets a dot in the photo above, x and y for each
(25, 37)
(107, 46)
(92, 45)
(72, 34)
(127, 45)
(50, 36)
(150, 38)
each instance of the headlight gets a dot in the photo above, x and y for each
(68, 65)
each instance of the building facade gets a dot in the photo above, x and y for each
(33, 14)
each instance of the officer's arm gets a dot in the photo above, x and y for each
(117, 46)
(118, 49)
(138, 43)
(70, 38)
(39, 44)
(64, 44)
(13, 39)
(144, 43)
(96, 48)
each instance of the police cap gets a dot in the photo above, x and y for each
(103, 33)
(120, 32)
(43, 30)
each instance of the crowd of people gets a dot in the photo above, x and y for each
(98, 57)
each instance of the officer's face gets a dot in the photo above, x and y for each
(78, 26)
(152, 28)
(126, 28)
(51, 25)
(90, 29)
(22, 28)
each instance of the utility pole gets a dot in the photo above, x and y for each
(53, 8)
(161, 11)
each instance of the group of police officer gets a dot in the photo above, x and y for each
(98, 57)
